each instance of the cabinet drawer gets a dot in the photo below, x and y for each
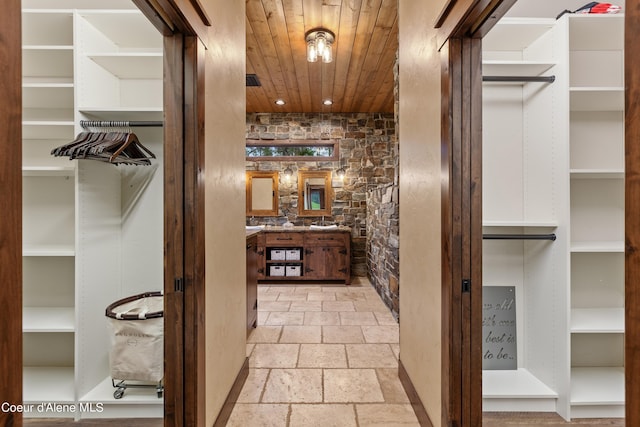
(326, 239)
(284, 239)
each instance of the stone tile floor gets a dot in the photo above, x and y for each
(323, 355)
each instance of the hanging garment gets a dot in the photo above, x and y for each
(594, 7)
(111, 147)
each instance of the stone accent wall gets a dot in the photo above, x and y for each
(368, 152)
(383, 225)
(383, 261)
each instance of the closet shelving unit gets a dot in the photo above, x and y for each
(596, 91)
(92, 231)
(119, 60)
(524, 165)
(562, 145)
(49, 208)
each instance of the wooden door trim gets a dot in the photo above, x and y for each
(11, 224)
(462, 25)
(469, 18)
(174, 238)
(177, 16)
(632, 219)
(184, 38)
(462, 233)
(194, 256)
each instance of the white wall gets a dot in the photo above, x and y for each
(420, 183)
(225, 266)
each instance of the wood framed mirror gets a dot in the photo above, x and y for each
(314, 193)
(262, 193)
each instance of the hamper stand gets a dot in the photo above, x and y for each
(136, 326)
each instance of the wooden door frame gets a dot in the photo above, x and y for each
(184, 43)
(632, 219)
(183, 25)
(11, 223)
(462, 24)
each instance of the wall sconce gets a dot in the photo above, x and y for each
(340, 173)
(288, 173)
(319, 43)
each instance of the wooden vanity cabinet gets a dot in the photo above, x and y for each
(252, 282)
(327, 256)
(293, 256)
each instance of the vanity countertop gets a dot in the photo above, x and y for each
(294, 229)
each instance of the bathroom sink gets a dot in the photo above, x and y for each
(323, 227)
(254, 227)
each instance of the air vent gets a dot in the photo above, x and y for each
(252, 80)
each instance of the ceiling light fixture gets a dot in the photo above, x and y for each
(279, 102)
(327, 102)
(319, 43)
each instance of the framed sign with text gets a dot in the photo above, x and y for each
(499, 340)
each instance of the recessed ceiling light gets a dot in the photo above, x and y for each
(327, 102)
(280, 102)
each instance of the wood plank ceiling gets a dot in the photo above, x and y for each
(360, 78)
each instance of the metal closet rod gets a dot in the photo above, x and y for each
(540, 79)
(551, 236)
(118, 123)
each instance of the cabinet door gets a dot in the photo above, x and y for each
(252, 284)
(327, 262)
(260, 257)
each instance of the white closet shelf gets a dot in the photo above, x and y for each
(47, 26)
(131, 65)
(518, 383)
(515, 68)
(51, 102)
(44, 81)
(48, 47)
(597, 246)
(48, 170)
(40, 130)
(125, 28)
(47, 123)
(115, 113)
(48, 384)
(597, 320)
(597, 98)
(47, 64)
(77, 4)
(48, 250)
(47, 83)
(48, 319)
(103, 393)
(586, 31)
(535, 224)
(597, 173)
(516, 34)
(597, 386)
(29, 10)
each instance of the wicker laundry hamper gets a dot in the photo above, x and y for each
(136, 355)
